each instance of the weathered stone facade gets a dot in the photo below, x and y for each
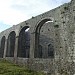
(43, 43)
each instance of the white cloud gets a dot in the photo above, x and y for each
(15, 11)
(62, 1)
(8, 15)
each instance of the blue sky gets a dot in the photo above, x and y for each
(13, 12)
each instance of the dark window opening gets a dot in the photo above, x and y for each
(50, 51)
(24, 42)
(11, 44)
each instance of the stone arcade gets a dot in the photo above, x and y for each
(43, 43)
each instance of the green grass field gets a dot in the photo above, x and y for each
(8, 68)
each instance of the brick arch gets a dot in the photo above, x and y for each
(11, 44)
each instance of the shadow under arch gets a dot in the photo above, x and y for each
(24, 42)
(2, 46)
(37, 33)
(11, 44)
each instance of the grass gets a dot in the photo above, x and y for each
(8, 68)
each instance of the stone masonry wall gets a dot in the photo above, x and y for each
(55, 27)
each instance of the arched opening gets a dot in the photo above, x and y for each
(50, 51)
(41, 37)
(11, 44)
(2, 46)
(24, 42)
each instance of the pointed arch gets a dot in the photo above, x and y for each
(11, 44)
(37, 34)
(24, 42)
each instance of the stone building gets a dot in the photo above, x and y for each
(43, 43)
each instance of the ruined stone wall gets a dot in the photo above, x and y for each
(55, 27)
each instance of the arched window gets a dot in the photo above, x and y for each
(11, 44)
(50, 50)
(24, 42)
(2, 46)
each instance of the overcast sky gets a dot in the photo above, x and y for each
(13, 12)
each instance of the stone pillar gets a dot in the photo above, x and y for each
(5, 49)
(32, 44)
(15, 50)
